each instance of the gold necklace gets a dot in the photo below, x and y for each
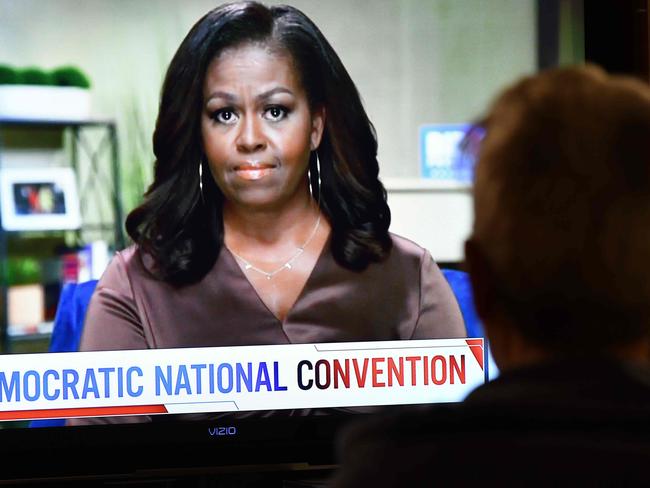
(288, 264)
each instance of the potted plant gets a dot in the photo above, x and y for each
(35, 94)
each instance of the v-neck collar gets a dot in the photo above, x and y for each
(320, 262)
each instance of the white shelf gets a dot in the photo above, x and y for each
(424, 185)
(32, 331)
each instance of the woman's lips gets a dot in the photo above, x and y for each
(253, 171)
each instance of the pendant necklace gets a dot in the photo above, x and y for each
(288, 264)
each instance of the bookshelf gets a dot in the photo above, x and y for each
(90, 148)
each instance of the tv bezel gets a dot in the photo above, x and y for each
(169, 447)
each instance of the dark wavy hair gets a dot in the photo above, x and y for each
(182, 232)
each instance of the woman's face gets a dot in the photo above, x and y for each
(257, 127)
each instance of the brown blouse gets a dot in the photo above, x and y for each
(404, 297)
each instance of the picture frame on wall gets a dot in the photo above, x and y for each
(36, 199)
(443, 155)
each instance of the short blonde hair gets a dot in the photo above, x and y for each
(562, 206)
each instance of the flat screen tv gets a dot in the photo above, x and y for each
(276, 409)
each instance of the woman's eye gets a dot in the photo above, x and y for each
(224, 116)
(275, 113)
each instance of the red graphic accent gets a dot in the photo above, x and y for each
(58, 413)
(476, 346)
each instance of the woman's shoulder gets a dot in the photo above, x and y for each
(406, 248)
(127, 254)
(406, 259)
(128, 259)
(127, 265)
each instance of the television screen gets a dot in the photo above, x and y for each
(171, 399)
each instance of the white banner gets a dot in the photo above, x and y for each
(226, 379)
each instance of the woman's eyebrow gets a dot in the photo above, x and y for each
(231, 98)
(273, 91)
(228, 97)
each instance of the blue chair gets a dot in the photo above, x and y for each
(68, 325)
(462, 288)
(70, 314)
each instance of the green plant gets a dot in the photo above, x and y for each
(34, 76)
(70, 76)
(8, 75)
(138, 154)
(61, 76)
(23, 271)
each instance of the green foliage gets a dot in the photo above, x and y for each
(34, 76)
(70, 76)
(61, 76)
(23, 271)
(137, 165)
(8, 75)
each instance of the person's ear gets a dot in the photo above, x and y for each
(482, 279)
(318, 116)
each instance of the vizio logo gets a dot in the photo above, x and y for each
(221, 431)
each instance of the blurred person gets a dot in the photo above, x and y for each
(559, 260)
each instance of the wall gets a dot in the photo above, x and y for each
(414, 61)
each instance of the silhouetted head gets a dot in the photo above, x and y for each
(561, 241)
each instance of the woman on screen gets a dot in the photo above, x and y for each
(266, 222)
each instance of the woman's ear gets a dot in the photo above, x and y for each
(317, 127)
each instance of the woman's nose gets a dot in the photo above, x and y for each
(251, 136)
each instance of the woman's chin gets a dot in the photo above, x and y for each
(259, 200)
(264, 194)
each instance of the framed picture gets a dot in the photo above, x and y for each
(39, 199)
(441, 154)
